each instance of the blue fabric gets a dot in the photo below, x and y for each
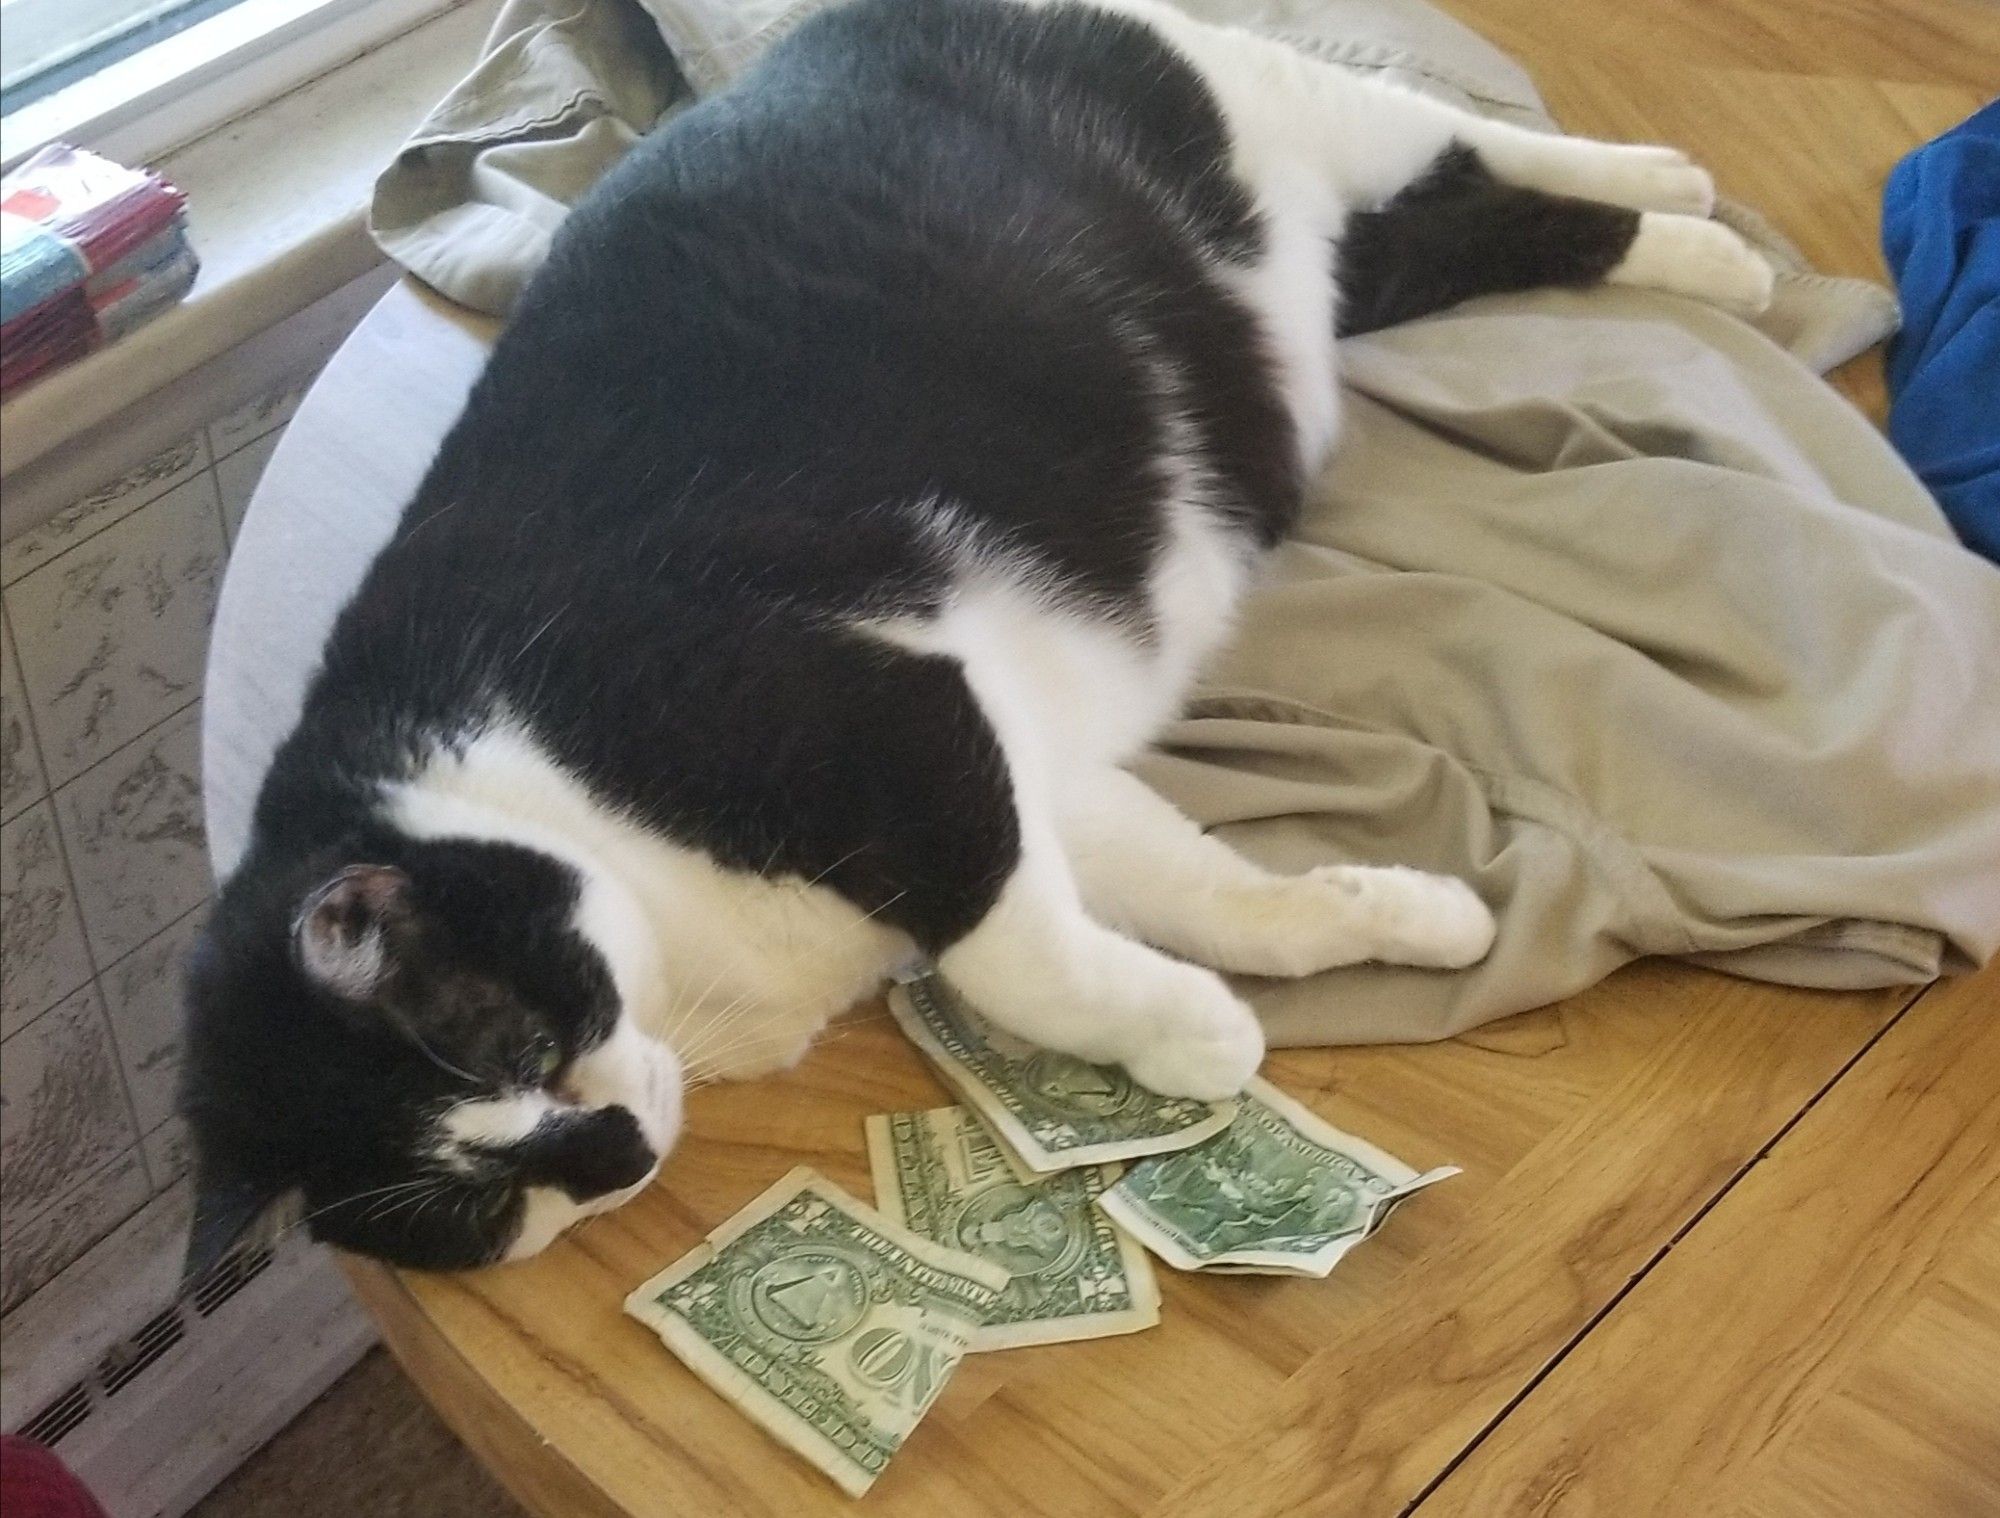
(1941, 234)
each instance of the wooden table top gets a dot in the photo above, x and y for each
(1719, 1247)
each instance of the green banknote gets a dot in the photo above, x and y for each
(1279, 1192)
(1054, 1111)
(1071, 1274)
(825, 1322)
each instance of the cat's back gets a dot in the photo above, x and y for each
(925, 189)
(891, 265)
(918, 276)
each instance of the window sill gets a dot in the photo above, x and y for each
(191, 82)
(276, 206)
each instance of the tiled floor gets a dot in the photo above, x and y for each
(369, 1448)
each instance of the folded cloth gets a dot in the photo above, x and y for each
(1941, 234)
(1606, 603)
(1652, 638)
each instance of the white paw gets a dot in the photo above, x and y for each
(1206, 1045)
(1704, 259)
(1656, 179)
(1414, 917)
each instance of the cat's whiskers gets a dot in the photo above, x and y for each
(806, 885)
(728, 1017)
(684, 1005)
(379, 1195)
(683, 1009)
(844, 1029)
(711, 1071)
(721, 1029)
(416, 1198)
(390, 1195)
(464, 1210)
(693, 1006)
(704, 1050)
(440, 1061)
(411, 1221)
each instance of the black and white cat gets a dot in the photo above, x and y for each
(886, 444)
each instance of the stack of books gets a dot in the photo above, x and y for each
(88, 250)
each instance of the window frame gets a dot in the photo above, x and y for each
(184, 86)
(77, 38)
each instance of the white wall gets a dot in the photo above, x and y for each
(105, 609)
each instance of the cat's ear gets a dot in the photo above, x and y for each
(225, 1210)
(346, 932)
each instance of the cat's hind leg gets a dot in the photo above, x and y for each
(1673, 246)
(1461, 232)
(1638, 176)
(1560, 184)
(1693, 256)
(1145, 867)
(1304, 131)
(1368, 139)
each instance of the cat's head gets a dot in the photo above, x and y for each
(421, 1046)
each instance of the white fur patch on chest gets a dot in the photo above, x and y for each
(1064, 683)
(687, 941)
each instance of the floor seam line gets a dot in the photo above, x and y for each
(1569, 1346)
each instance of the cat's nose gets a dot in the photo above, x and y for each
(607, 1153)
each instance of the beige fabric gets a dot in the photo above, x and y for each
(561, 89)
(1652, 638)
(1606, 603)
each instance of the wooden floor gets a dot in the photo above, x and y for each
(1719, 1247)
(1799, 106)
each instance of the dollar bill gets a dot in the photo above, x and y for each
(1054, 1111)
(1071, 1274)
(826, 1323)
(1279, 1192)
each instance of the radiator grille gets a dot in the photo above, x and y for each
(60, 1417)
(130, 1358)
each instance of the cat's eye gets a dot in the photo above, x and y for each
(541, 1061)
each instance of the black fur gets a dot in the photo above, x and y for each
(1459, 232)
(810, 303)
(886, 269)
(289, 1087)
(900, 264)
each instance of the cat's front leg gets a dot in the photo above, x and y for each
(1146, 867)
(1042, 968)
